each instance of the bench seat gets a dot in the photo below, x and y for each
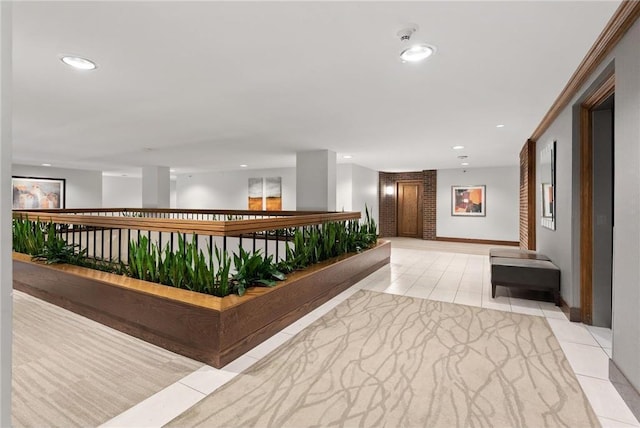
(525, 273)
(517, 253)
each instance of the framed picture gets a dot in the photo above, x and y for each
(468, 201)
(273, 193)
(255, 194)
(38, 193)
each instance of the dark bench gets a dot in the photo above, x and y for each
(524, 269)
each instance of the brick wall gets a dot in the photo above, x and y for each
(527, 196)
(388, 206)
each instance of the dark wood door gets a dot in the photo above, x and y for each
(410, 209)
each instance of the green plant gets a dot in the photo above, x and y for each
(222, 275)
(28, 236)
(253, 269)
(57, 250)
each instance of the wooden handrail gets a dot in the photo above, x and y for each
(201, 227)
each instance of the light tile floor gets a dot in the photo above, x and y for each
(427, 274)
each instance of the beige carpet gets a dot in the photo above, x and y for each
(70, 371)
(385, 360)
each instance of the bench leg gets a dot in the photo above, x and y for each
(493, 290)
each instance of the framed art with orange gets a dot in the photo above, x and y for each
(468, 201)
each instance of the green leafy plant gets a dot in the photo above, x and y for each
(253, 269)
(189, 268)
(28, 236)
(57, 250)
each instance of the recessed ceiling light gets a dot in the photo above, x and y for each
(461, 157)
(172, 170)
(243, 165)
(458, 147)
(78, 62)
(417, 53)
(464, 163)
(499, 126)
(347, 156)
(46, 164)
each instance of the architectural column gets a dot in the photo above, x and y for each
(316, 180)
(6, 264)
(156, 187)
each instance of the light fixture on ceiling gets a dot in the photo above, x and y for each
(464, 163)
(46, 164)
(347, 157)
(78, 62)
(244, 165)
(500, 126)
(457, 147)
(414, 52)
(172, 170)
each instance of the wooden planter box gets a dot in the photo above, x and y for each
(210, 329)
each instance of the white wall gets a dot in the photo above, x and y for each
(563, 245)
(626, 235)
(344, 187)
(121, 192)
(364, 191)
(357, 187)
(83, 187)
(502, 204)
(228, 190)
(316, 180)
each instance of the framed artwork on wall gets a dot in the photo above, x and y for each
(468, 201)
(38, 193)
(548, 185)
(273, 193)
(255, 194)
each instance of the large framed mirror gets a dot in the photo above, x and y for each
(548, 185)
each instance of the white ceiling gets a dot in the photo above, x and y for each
(212, 85)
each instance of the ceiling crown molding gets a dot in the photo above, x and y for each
(624, 17)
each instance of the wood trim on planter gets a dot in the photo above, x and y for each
(206, 328)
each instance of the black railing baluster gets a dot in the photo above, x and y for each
(266, 243)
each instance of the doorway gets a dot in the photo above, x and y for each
(597, 197)
(410, 194)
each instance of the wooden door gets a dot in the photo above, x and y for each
(410, 209)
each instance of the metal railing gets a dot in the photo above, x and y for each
(105, 234)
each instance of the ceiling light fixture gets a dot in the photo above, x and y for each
(499, 126)
(462, 157)
(464, 163)
(457, 147)
(414, 52)
(78, 62)
(243, 165)
(172, 170)
(46, 164)
(347, 156)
